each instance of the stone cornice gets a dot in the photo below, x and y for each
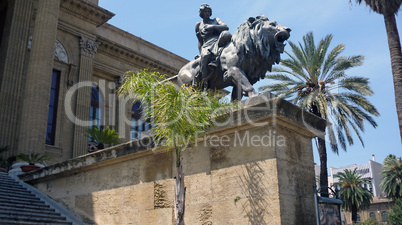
(141, 41)
(86, 11)
(115, 50)
(74, 30)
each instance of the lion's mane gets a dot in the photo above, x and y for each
(253, 47)
(249, 39)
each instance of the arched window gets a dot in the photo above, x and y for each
(384, 216)
(358, 218)
(372, 215)
(138, 124)
(95, 115)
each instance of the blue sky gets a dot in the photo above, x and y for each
(170, 25)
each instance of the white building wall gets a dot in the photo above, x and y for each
(371, 171)
(376, 169)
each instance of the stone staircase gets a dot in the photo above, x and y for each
(18, 205)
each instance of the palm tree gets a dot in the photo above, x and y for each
(388, 159)
(178, 117)
(316, 80)
(388, 8)
(392, 177)
(352, 193)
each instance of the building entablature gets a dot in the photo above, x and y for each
(145, 53)
(86, 11)
(130, 56)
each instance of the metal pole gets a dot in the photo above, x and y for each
(317, 214)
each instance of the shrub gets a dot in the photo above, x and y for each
(370, 221)
(395, 216)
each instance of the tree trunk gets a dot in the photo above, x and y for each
(322, 151)
(180, 194)
(394, 45)
(354, 214)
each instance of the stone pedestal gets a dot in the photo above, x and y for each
(255, 167)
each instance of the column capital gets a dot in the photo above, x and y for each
(88, 47)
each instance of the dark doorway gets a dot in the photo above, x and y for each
(3, 13)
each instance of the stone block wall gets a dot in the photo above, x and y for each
(238, 173)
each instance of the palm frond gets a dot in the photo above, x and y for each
(178, 115)
(356, 84)
(332, 139)
(295, 67)
(314, 78)
(352, 192)
(391, 182)
(331, 61)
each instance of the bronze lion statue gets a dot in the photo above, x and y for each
(250, 53)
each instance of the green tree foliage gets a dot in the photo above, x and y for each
(352, 193)
(370, 221)
(33, 157)
(4, 149)
(105, 136)
(392, 177)
(6, 163)
(179, 115)
(395, 216)
(389, 158)
(315, 78)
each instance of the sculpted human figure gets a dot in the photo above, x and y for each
(209, 32)
(240, 60)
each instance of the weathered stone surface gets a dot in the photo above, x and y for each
(265, 164)
(161, 198)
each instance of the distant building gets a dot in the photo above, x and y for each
(380, 207)
(379, 210)
(371, 171)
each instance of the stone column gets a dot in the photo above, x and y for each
(39, 76)
(83, 102)
(12, 58)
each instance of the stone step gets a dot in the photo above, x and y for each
(2, 174)
(8, 192)
(43, 210)
(9, 222)
(22, 202)
(19, 206)
(32, 220)
(31, 214)
(6, 178)
(18, 196)
(12, 183)
(14, 189)
(25, 206)
(11, 187)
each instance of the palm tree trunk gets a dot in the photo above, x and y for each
(322, 151)
(394, 45)
(354, 213)
(180, 193)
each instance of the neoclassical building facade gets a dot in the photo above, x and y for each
(60, 66)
